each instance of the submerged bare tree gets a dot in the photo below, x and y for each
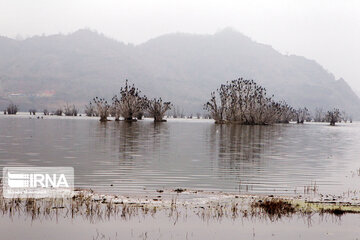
(319, 115)
(32, 111)
(70, 110)
(301, 114)
(58, 112)
(46, 112)
(157, 109)
(129, 103)
(177, 112)
(344, 116)
(243, 101)
(217, 112)
(102, 108)
(333, 116)
(286, 112)
(114, 109)
(12, 109)
(90, 110)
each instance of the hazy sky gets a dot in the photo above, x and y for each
(327, 31)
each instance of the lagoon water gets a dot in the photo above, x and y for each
(140, 157)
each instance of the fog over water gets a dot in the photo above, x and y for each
(324, 30)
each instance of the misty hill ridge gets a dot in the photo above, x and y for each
(47, 71)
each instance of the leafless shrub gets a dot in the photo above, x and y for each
(46, 112)
(174, 112)
(129, 103)
(286, 112)
(70, 110)
(102, 108)
(333, 116)
(90, 110)
(12, 109)
(177, 112)
(244, 102)
(301, 114)
(114, 111)
(157, 109)
(218, 112)
(58, 112)
(319, 115)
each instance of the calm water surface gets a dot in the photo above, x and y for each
(139, 157)
(190, 227)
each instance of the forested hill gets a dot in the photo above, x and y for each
(48, 71)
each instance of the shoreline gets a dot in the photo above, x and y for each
(206, 205)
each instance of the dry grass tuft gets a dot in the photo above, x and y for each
(274, 208)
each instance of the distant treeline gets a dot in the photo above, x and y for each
(239, 101)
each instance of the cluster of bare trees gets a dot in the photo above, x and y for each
(177, 112)
(157, 109)
(58, 112)
(90, 110)
(302, 114)
(239, 101)
(70, 110)
(129, 104)
(333, 116)
(11, 109)
(243, 101)
(319, 115)
(102, 108)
